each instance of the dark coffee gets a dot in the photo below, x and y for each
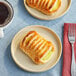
(3, 12)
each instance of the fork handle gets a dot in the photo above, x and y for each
(73, 62)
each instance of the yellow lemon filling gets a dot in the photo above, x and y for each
(47, 56)
(56, 5)
(28, 40)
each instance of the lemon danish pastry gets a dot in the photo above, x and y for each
(47, 7)
(37, 48)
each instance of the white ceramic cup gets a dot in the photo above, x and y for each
(8, 20)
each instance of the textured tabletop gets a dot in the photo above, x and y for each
(22, 19)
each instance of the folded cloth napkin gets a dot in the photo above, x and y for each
(67, 51)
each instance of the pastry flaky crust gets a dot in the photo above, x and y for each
(35, 46)
(45, 6)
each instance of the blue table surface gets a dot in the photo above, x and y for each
(22, 19)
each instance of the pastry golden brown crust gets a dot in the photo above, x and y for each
(35, 46)
(45, 6)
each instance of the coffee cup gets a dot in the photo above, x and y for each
(6, 15)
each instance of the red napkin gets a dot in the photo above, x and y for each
(67, 51)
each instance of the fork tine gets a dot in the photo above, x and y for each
(74, 30)
(69, 31)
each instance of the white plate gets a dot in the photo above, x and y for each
(24, 61)
(65, 4)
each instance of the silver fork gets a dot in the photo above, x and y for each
(71, 36)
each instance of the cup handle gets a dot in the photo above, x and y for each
(1, 33)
